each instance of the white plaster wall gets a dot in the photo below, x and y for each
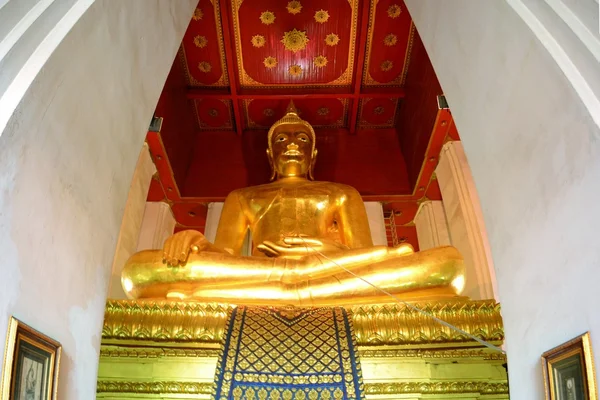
(534, 150)
(67, 156)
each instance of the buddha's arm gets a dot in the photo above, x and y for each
(233, 224)
(352, 220)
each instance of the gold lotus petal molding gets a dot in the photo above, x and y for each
(171, 387)
(393, 324)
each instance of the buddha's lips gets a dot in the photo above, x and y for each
(292, 153)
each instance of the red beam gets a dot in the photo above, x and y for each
(193, 93)
(360, 63)
(229, 46)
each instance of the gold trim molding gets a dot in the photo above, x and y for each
(154, 352)
(395, 324)
(161, 387)
(394, 388)
(446, 387)
(433, 354)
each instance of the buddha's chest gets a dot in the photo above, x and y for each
(292, 206)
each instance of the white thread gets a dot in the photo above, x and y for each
(412, 307)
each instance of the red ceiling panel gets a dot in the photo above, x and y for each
(321, 113)
(202, 47)
(378, 113)
(214, 114)
(295, 43)
(390, 38)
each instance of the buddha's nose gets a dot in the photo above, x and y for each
(292, 146)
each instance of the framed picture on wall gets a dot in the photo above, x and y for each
(569, 371)
(31, 363)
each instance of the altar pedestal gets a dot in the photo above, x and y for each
(169, 350)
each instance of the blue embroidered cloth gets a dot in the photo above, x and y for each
(288, 354)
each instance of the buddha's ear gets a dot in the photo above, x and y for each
(270, 157)
(312, 166)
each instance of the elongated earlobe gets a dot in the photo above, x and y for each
(312, 166)
(270, 157)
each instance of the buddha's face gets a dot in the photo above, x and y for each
(291, 147)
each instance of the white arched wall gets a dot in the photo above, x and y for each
(522, 87)
(67, 155)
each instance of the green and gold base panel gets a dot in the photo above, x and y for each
(184, 350)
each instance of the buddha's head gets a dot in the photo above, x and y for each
(291, 151)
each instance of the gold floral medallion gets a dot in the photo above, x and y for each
(267, 17)
(387, 65)
(270, 62)
(268, 112)
(394, 11)
(332, 39)
(200, 41)
(323, 111)
(390, 39)
(294, 7)
(378, 110)
(204, 66)
(320, 61)
(295, 70)
(321, 16)
(258, 41)
(294, 40)
(198, 14)
(213, 112)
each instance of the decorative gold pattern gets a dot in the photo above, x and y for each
(258, 41)
(162, 387)
(295, 70)
(266, 348)
(394, 11)
(378, 110)
(390, 39)
(445, 387)
(268, 112)
(294, 40)
(267, 17)
(247, 81)
(270, 62)
(320, 61)
(321, 16)
(153, 352)
(204, 66)
(163, 321)
(200, 41)
(433, 354)
(294, 7)
(386, 65)
(198, 14)
(213, 112)
(323, 111)
(332, 39)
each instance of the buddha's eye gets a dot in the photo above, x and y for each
(280, 138)
(303, 138)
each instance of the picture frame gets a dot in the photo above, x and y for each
(569, 371)
(31, 364)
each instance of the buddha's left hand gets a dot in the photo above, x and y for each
(295, 246)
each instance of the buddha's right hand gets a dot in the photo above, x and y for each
(179, 246)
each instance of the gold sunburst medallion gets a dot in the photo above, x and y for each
(258, 41)
(390, 39)
(198, 14)
(320, 61)
(323, 111)
(394, 11)
(267, 17)
(200, 41)
(213, 112)
(321, 16)
(332, 39)
(204, 66)
(270, 62)
(295, 70)
(387, 65)
(294, 7)
(294, 40)
(268, 112)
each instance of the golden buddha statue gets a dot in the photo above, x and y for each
(312, 245)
